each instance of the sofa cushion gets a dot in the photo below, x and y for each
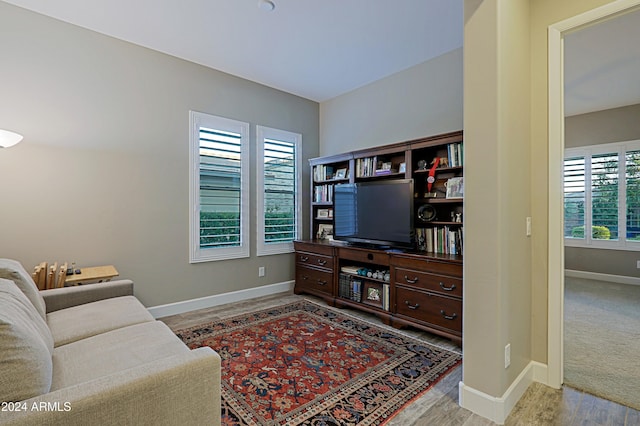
(111, 352)
(26, 347)
(82, 321)
(14, 271)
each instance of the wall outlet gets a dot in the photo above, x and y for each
(638, 264)
(507, 356)
(528, 226)
(261, 271)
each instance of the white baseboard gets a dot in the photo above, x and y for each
(497, 409)
(220, 299)
(620, 279)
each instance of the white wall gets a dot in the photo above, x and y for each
(102, 174)
(421, 101)
(497, 262)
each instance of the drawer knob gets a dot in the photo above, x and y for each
(449, 317)
(322, 282)
(304, 258)
(442, 286)
(304, 277)
(322, 262)
(410, 306)
(411, 280)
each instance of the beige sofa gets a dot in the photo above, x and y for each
(93, 355)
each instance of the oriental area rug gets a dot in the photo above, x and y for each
(305, 364)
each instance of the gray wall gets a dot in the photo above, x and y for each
(608, 126)
(102, 174)
(421, 101)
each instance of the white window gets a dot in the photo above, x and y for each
(278, 212)
(218, 188)
(602, 196)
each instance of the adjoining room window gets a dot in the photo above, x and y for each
(219, 188)
(602, 196)
(279, 191)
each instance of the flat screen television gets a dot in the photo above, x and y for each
(376, 213)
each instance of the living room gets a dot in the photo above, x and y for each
(102, 175)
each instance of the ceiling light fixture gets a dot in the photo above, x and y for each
(8, 138)
(266, 5)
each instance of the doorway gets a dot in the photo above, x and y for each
(556, 258)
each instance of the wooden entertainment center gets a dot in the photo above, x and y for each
(419, 287)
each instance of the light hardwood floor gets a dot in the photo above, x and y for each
(540, 405)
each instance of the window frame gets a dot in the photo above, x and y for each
(262, 133)
(196, 253)
(620, 149)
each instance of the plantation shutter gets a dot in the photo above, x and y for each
(633, 196)
(574, 197)
(604, 196)
(279, 191)
(220, 188)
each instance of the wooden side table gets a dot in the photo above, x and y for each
(95, 274)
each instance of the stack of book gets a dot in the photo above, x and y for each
(454, 154)
(323, 194)
(322, 173)
(440, 239)
(365, 166)
(349, 288)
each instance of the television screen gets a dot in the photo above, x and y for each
(377, 213)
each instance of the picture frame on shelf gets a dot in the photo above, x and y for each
(455, 187)
(323, 214)
(325, 231)
(373, 293)
(341, 174)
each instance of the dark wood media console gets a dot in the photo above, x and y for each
(422, 290)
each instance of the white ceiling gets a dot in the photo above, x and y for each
(322, 49)
(311, 48)
(602, 65)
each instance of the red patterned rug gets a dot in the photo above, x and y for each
(305, 364)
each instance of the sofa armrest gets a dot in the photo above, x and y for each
(181, 389)
(66, 297)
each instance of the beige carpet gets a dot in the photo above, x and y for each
(602, 339)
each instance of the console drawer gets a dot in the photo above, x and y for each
(316, 260)
(365, 256)
(314, 280)
(441, 311)
(426, 281)
(312, 247)
(453, 269)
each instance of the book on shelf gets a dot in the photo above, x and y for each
(382, 172)
(344, 286)
(454, 154)
(351, 288)
(322, 172)
(356, 290)
(353, 270)
(365, 167)
(385, 296)
(323, 193)
(440, 239)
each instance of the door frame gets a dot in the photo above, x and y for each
(555, 252)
